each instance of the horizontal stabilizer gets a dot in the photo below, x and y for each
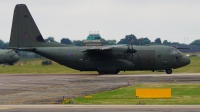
(26, 49)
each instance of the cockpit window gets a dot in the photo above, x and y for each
(173, 51)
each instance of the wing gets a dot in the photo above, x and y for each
(101, 48)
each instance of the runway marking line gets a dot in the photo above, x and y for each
(5, 108)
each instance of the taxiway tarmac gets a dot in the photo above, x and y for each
(47, 88)
(99, 108)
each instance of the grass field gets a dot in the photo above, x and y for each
(186, 94)
(34, 66)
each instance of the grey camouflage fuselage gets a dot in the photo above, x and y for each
(26, 36)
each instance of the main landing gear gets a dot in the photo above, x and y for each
(168, 71)
(111, 72)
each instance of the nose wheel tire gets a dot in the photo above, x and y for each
(168, 71)
(101, 73)
(112, 72)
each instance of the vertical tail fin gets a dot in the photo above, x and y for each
(24, 32)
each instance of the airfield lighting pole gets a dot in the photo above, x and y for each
(184, 40)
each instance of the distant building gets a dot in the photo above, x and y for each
(187, 48)
(94, 39)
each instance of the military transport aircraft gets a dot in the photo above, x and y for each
(25, 36)
(8, 57)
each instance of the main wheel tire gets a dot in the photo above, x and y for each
(114, 72)
(168, 71)
(117, 72)
(101, 73)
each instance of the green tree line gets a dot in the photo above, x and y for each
(125, 40)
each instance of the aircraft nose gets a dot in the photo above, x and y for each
(16, 57)
(185, 60)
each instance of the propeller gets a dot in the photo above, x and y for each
(130, 49)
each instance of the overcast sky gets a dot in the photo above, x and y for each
(170, 20)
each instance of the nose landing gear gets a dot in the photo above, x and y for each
(111, 72)
(168, 71)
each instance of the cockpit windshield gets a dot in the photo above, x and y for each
(175, 51)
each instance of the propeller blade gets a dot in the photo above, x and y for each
(131, 51)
